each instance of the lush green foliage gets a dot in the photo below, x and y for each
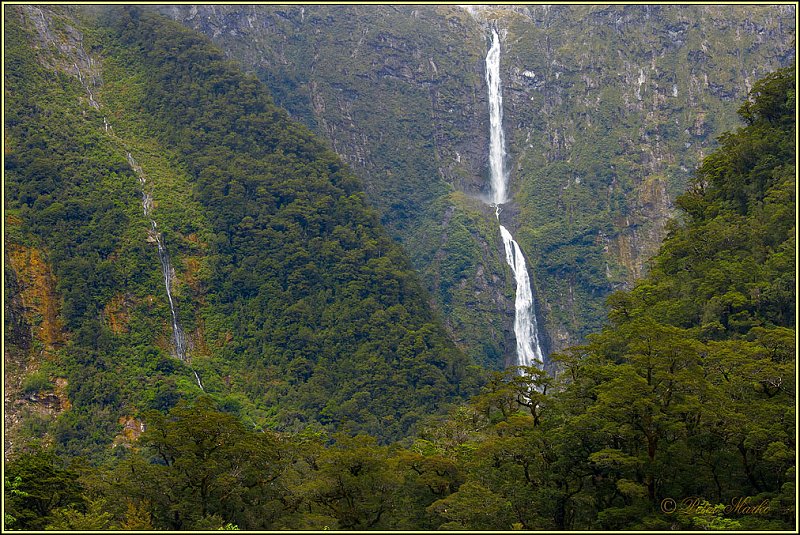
(688, 395)
(325, 308)
(299, 309)
(36, 487)
(731, 268)
(395, 91)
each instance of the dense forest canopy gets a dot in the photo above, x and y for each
(332, 397)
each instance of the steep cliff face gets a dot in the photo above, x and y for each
(608, 109)
(399, 94)
(329, 66)
(34, 391)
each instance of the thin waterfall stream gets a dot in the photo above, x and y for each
(526, 331)
(85, 70)
(178, 337)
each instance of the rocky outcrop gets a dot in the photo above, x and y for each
(132, 429)
(34, 333)
(33, 299)
(65, 49)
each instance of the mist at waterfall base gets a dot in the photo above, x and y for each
(529, 351)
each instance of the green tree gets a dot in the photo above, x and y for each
(200, 463)
(356, 482)
(41, 485)
(94, 518)
(473, 507)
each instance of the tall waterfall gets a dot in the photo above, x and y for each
(529, 352)
(497, 141)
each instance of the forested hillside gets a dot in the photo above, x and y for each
(607, 111)
(156, 193)
(680, 414)
(398, 92)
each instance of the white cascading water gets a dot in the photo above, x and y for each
(178, 337)
(529, 352)
(177, 333)
(497, 141)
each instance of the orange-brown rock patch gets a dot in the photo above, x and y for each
(37, 288)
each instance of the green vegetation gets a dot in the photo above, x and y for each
(395, 91)
(36, 383)
(325, 308)
(688, 393)
(332, 390)
(460, 268)
(77, 198)
(299, 309)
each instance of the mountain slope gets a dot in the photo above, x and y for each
(608, 109)
(184, 200)
(679, 415)
(398, 92)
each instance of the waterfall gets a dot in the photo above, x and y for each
(497, 142)
(197, 377)
(529, 352)
(177, 333)
(178, 337)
